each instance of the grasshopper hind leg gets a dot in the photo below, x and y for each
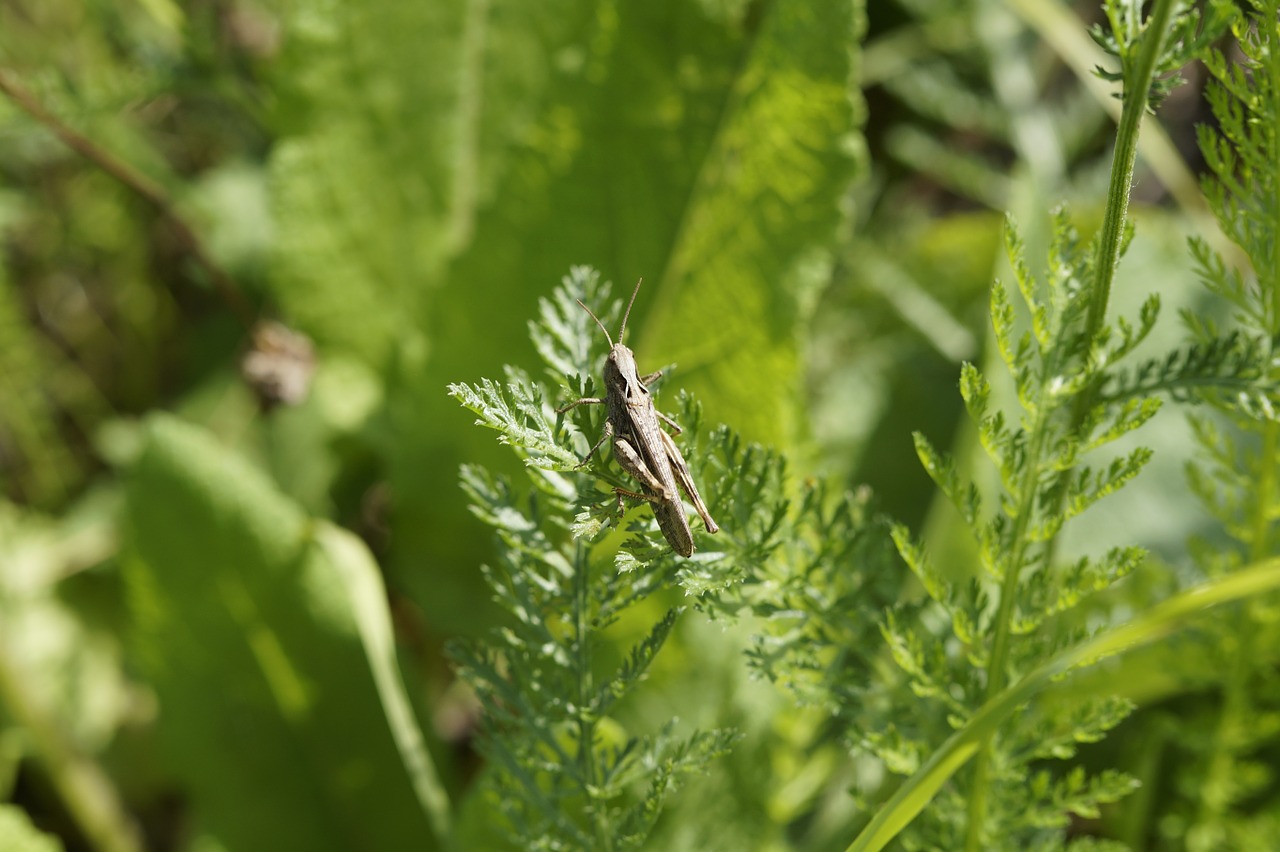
(632, 463)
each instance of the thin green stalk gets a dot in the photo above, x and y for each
(1263, 509)
(997, 664)
(586, 720)
(1137, 85)
(1160, 621)
(369, 600)
(1057, 26)
(466, 151)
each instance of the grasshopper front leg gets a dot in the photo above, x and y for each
(586, 400)
(604, 435)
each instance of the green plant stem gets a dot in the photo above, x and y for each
(997, 664)
(1263, 510)
(1157, 623)
(1111, 237)
(1137, 85)
(585, 713)
(1058, 27)
(462, 211)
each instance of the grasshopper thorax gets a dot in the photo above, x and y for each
(620, 365)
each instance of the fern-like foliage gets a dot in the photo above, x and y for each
(1192, 31)
(978, 631)
(1236, 800)
(820, 601)
(970, 638)
(564, 772)
(1215, 364)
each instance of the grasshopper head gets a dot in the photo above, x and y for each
(621, 363)
(620, 367)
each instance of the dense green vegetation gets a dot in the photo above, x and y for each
(968, 318)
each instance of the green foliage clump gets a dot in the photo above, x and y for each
(242, 609)
(563, 769)
(1017, 611)
(1225, 749)
(979, 636)
(1183, 32)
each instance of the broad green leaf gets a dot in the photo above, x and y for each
(446, 163)
(396, 120)
(266, 637)
(751, 252)
(359, 187)
(488, 146)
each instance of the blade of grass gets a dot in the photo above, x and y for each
(369, 605)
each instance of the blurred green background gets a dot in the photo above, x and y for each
(812, 192)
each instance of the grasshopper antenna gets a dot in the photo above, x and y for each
(623, 331)
(597, 319)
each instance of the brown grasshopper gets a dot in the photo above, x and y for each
(640, 445)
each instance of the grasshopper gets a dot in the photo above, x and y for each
(640, 445)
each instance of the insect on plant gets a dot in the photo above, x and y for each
(640, 445)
